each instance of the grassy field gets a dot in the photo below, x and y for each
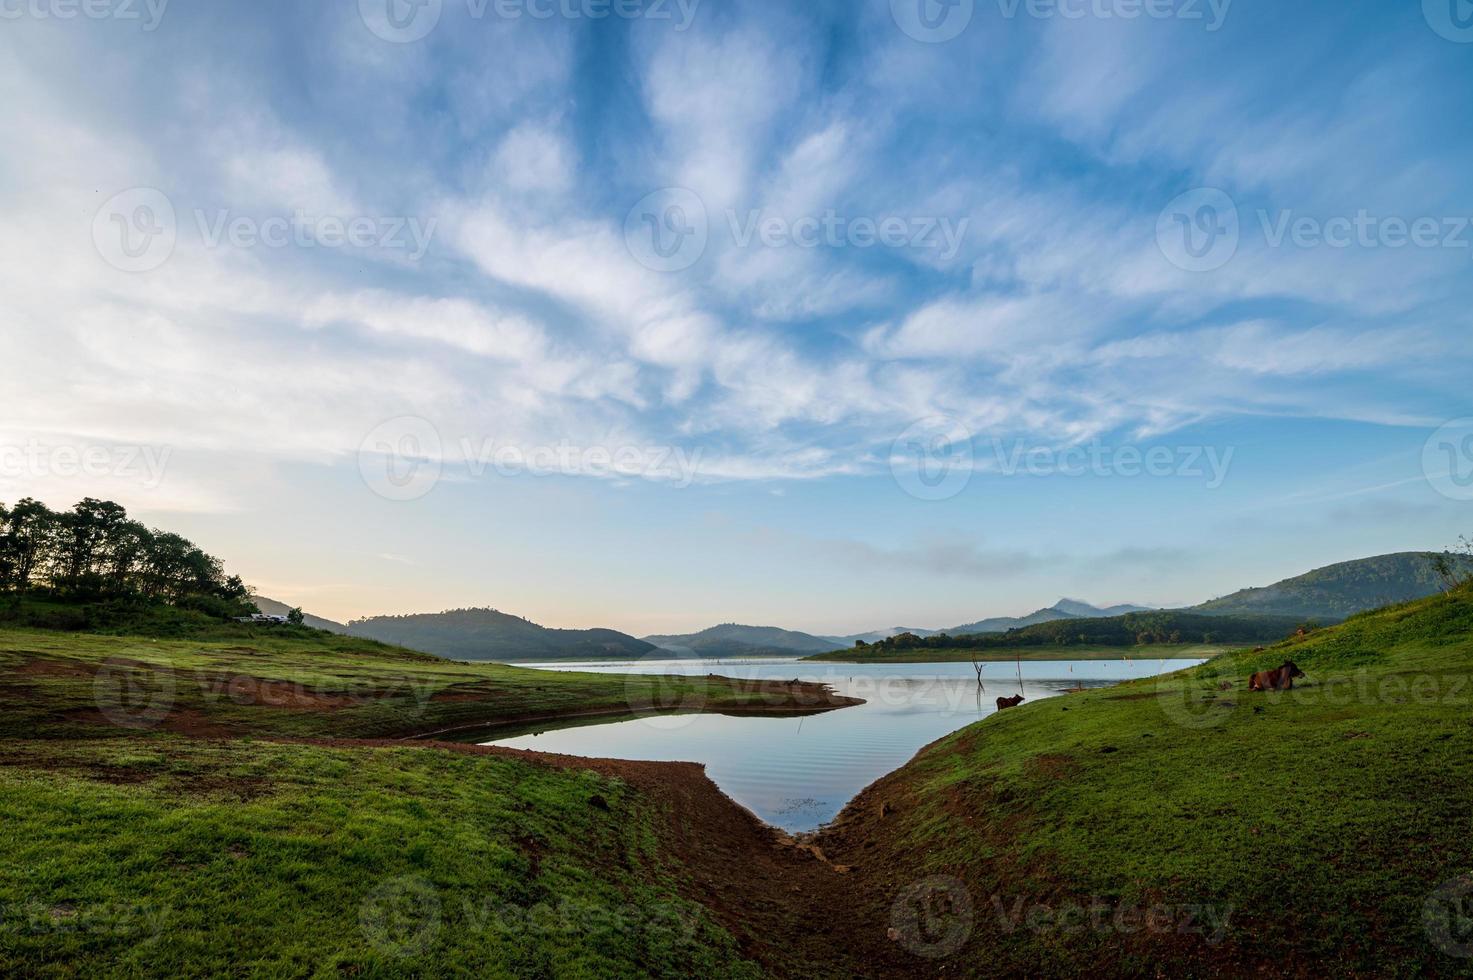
(159, 855)
(1159, 651)
(1268, 832)
(192, 808)
(216, 807)
(312, 684)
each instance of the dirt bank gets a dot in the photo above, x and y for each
(789, 906)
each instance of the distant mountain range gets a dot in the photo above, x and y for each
(486, 634)
(1063, 609)
(1327, 594)
(731, 640)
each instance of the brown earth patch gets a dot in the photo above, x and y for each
(245, 689)
(54, 668)
(101, 772)
(1051, 766)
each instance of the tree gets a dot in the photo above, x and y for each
(95, 551)
(1455, 565)
(294, 616)
(32, 530)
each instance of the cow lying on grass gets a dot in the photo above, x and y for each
(1276, 680)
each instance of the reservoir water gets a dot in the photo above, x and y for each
(798, 772)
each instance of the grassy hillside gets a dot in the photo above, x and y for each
(1270, 832)
(1180, 826)
(1335, 592)
(167, 856)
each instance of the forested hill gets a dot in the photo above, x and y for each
(1337, 592)
(489, 635)
(731, 640)
(1132, 629)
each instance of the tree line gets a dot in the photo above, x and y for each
(96, 551)
(1132, 629)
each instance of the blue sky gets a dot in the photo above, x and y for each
(762, 305)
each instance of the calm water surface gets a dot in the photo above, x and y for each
(797, 773)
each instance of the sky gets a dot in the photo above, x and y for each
(650, 314)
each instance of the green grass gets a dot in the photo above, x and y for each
(1159, 651)
(53, 684)
(162, 856)
(1319, 820)
(1303, 832)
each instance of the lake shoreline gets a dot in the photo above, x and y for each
(993, 655)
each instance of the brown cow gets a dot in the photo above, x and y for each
(1004, 704)
(1276, 680)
